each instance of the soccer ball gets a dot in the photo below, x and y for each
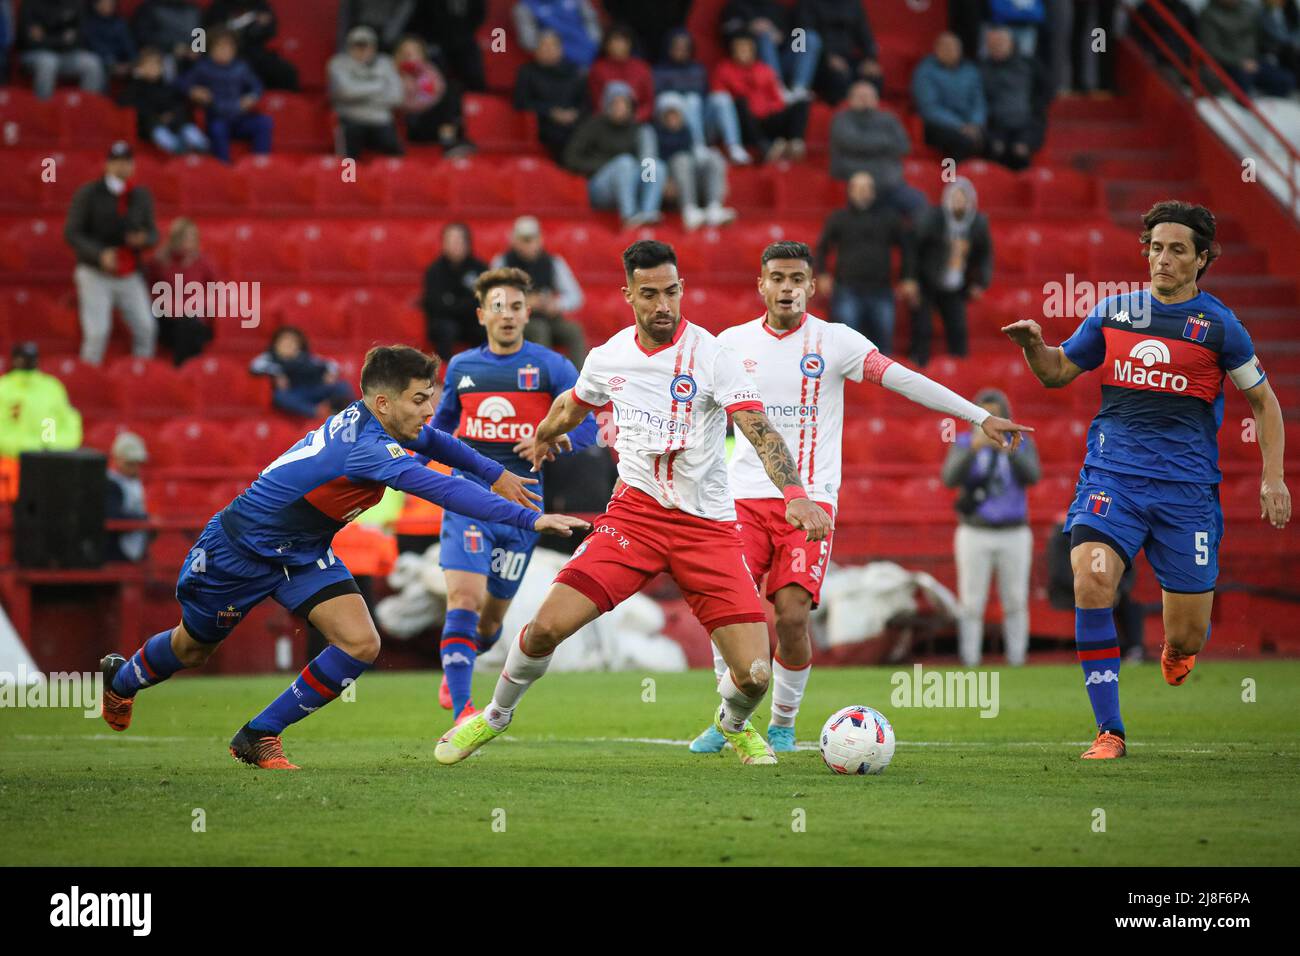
(857, 740)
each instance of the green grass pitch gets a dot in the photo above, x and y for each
(1210, 779)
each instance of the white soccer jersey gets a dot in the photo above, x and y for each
(670, 406)
(800, 374)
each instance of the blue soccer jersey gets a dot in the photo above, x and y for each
(301, 500)
(1162, 369)
(493, 401)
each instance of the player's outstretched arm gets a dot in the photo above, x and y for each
(552, 433)
(1051, 365)
(1274, 498)
(467, 498)
(436, 444)
(781, 468)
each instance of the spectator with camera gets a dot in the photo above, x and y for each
(993, 532)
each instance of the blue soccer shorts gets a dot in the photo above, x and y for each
(500, 551)
(219, 585)
(1178, 523)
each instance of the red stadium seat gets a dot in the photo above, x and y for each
(480, 186)
(195, 447)
(998, 187)
(301, 122)
(311, 311)
(36, 249)
(87, 119)
(46, 179)
(91, 390)
(539, 187)
(494, 125)
(1061, 192)
(1063, 441)
(266, 251)
(47, 318)
(263, 440)
(226, 387)
(152, 388)
(344, 189)
(27, 121)
(281, 184)
(391, 250)
(923, 174)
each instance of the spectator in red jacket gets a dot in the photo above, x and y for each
(179, 262)
(767, 123)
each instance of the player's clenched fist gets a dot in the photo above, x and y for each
(1026, 333)
(513, 488)
(563, 525)
(809, 517)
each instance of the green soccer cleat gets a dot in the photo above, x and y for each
(749, 743)
(459, 742)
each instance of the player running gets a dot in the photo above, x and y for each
(494, 395)
(274, 541)
(799, 363)
(1150, 479)
(673, 385)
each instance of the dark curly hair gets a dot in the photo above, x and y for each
(1196, 218)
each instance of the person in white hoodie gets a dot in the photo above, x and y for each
(365, 90)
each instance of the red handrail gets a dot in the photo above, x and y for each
(1191, 73)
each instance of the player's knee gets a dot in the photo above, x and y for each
(754, 682)
(1185, 637)
(1094, 588)
(363, 647)
(193, 654)
(543, 636)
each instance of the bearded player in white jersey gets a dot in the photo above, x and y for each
(672, 385)
(799, 364)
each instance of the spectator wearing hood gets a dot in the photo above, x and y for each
(767, 123)
(865, 138)
(605, 149)
(949, 95)
(365, 90)
(706, 111)
(1016, 91)
(575, 22)
(698, 173)
(554, 90)
(953, 263)
(992, 532)
(34, 407)
(862, 237)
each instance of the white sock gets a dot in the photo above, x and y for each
(719, 665)
(736, 706)
(787, 692)
(518, 674)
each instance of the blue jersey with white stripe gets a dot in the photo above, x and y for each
(1162, 370)
(301, 500)
(493, 401)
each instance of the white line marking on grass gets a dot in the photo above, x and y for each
(665, 741)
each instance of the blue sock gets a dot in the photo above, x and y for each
(320, 682)
(1098, 647)
(459, 651)
(153, 663)
(486, 644)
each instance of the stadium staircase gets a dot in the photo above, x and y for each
(344, 261)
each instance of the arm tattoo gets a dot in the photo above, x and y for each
(771, 447)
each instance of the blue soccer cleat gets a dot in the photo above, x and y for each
(781, 739)
(710, 741)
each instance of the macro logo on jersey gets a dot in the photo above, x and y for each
(487, 416)
(473, 539)
(683, 388)
(529, 378)
(1197, 328)
(1141, 367)
(812, 365)
(1099, 503)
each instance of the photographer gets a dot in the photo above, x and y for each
(993, 532)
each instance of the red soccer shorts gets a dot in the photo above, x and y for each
(636, 538)
(782, 552)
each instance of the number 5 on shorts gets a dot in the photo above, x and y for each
(1202, 547)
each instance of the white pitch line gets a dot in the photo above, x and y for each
(132, 737)
(664, 741)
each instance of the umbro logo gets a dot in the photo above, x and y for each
(465, 382)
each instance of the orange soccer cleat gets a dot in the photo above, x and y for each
(444, 694)
(1105, 747)
(1175, 665)
(465, 714)
(259, 750)
(115, 710)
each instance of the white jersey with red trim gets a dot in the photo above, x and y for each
(800, 373)
(670, 406)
